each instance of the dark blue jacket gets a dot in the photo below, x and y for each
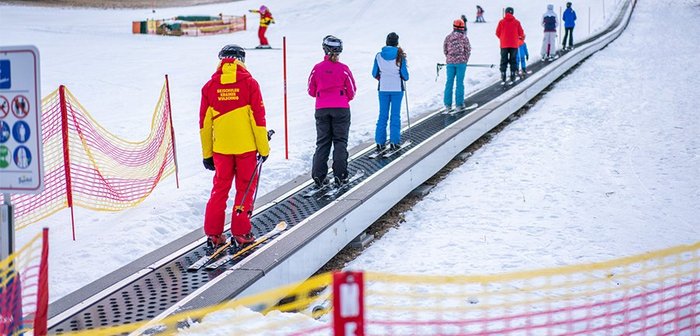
(550, 23)
(569, 18)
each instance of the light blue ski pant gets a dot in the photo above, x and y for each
(455, 70)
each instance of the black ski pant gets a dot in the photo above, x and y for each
(332, 129)
(508, 57)
(568, 33)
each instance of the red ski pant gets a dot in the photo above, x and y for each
(261, 35)
(241, 167)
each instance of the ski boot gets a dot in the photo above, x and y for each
(523, 74)
(240, 241)
(320, 183)
(503, 77)
(380, 148)
(341, 181)
(512, 76)
(214, 242)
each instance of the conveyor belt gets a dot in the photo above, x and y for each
(152, 293)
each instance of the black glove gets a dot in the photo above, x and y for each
(209, 163)
(263, 158)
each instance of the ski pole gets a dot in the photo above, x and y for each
(477, 65)
(258, 166)
(255, 194)
(482, 65)
(257, 171)
(408, 116)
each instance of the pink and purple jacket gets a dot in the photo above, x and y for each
(332, 84)
(457, 48)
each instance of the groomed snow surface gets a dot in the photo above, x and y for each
(605, 165)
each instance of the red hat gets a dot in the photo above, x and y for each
(458, 24)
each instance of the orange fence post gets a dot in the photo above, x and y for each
(348, 304)
(66, 153)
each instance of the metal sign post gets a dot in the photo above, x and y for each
(21, 160)
(7, 230)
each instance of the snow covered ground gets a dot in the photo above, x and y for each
(606, 165)
(595, 165)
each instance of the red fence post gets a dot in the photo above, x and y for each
(348, 304)
(172, 129)
(284, 71)
(66, 152)
(42, 299)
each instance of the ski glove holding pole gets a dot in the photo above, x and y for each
(269, 136)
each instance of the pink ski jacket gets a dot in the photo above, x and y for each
(332, 84)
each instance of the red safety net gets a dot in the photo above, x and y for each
(24, 289)
(87, 166)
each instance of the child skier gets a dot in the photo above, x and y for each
(457, 50)
(479, 14)
(522, 57)
(265, 20)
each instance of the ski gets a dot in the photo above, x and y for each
(392, 152)
(256, 48)
(281, 226)
(315, 191)
(463, 109)
(377, 154)
(205, 259)
(336, 189)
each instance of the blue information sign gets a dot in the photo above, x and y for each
(21, 160)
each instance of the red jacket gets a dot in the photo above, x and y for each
(232, 113)
(509, 31)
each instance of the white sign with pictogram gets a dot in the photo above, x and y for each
(21, 160)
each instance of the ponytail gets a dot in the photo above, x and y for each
(400, 56)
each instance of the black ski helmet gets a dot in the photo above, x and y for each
(332, 45)
(232, 51)
(509, 10)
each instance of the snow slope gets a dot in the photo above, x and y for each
(117, 77)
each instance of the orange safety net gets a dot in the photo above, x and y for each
(87, 166)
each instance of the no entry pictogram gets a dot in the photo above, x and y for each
(20, 106)
(4, 107)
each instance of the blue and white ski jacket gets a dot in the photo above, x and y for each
(389, 74)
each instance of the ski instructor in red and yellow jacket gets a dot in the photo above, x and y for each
(233, 133)
(265, 20)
